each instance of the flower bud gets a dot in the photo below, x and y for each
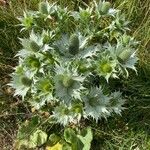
(26, 81)
(74, 44)
(34, 46)
(125, 55)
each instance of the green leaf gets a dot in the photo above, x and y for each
(38, 138)
(72, 138)
(28, 136)
(35, 140)
(69, 135)
(86, 139)
(53, 139)
(27, 128)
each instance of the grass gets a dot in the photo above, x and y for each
(129, 132)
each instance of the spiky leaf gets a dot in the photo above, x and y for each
(43, 8)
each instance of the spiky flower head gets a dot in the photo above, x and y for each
(65, 115)
(31, 45)
(105, 7)
(67, 83)
(27, 21)
(105, 67)
(26, 81)
(74, 44)
(20, 82)
(116, 102)
(95, 104)
(45, 85)
(124, 56)
(32, 62)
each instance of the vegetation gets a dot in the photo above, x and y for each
(130, 131)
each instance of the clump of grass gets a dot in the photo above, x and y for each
(8, 35)
(121, 140)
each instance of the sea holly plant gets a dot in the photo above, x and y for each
(64, 72)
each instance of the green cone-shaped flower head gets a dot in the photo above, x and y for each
(126, 39)
(74, 44)
(45, 85)
(33, 62)
(125, 55)
(105, 67)
(26, 81)
(34, 46)
(67, 81)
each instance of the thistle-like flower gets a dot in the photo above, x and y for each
(105, 67)
(72, 46)
(31, 46)
(20, 82)
(95, 104)
(116, 102)
(67, 84)
(65, 115)
(27, 21)
(124, 57)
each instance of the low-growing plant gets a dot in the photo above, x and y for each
(64, 70)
